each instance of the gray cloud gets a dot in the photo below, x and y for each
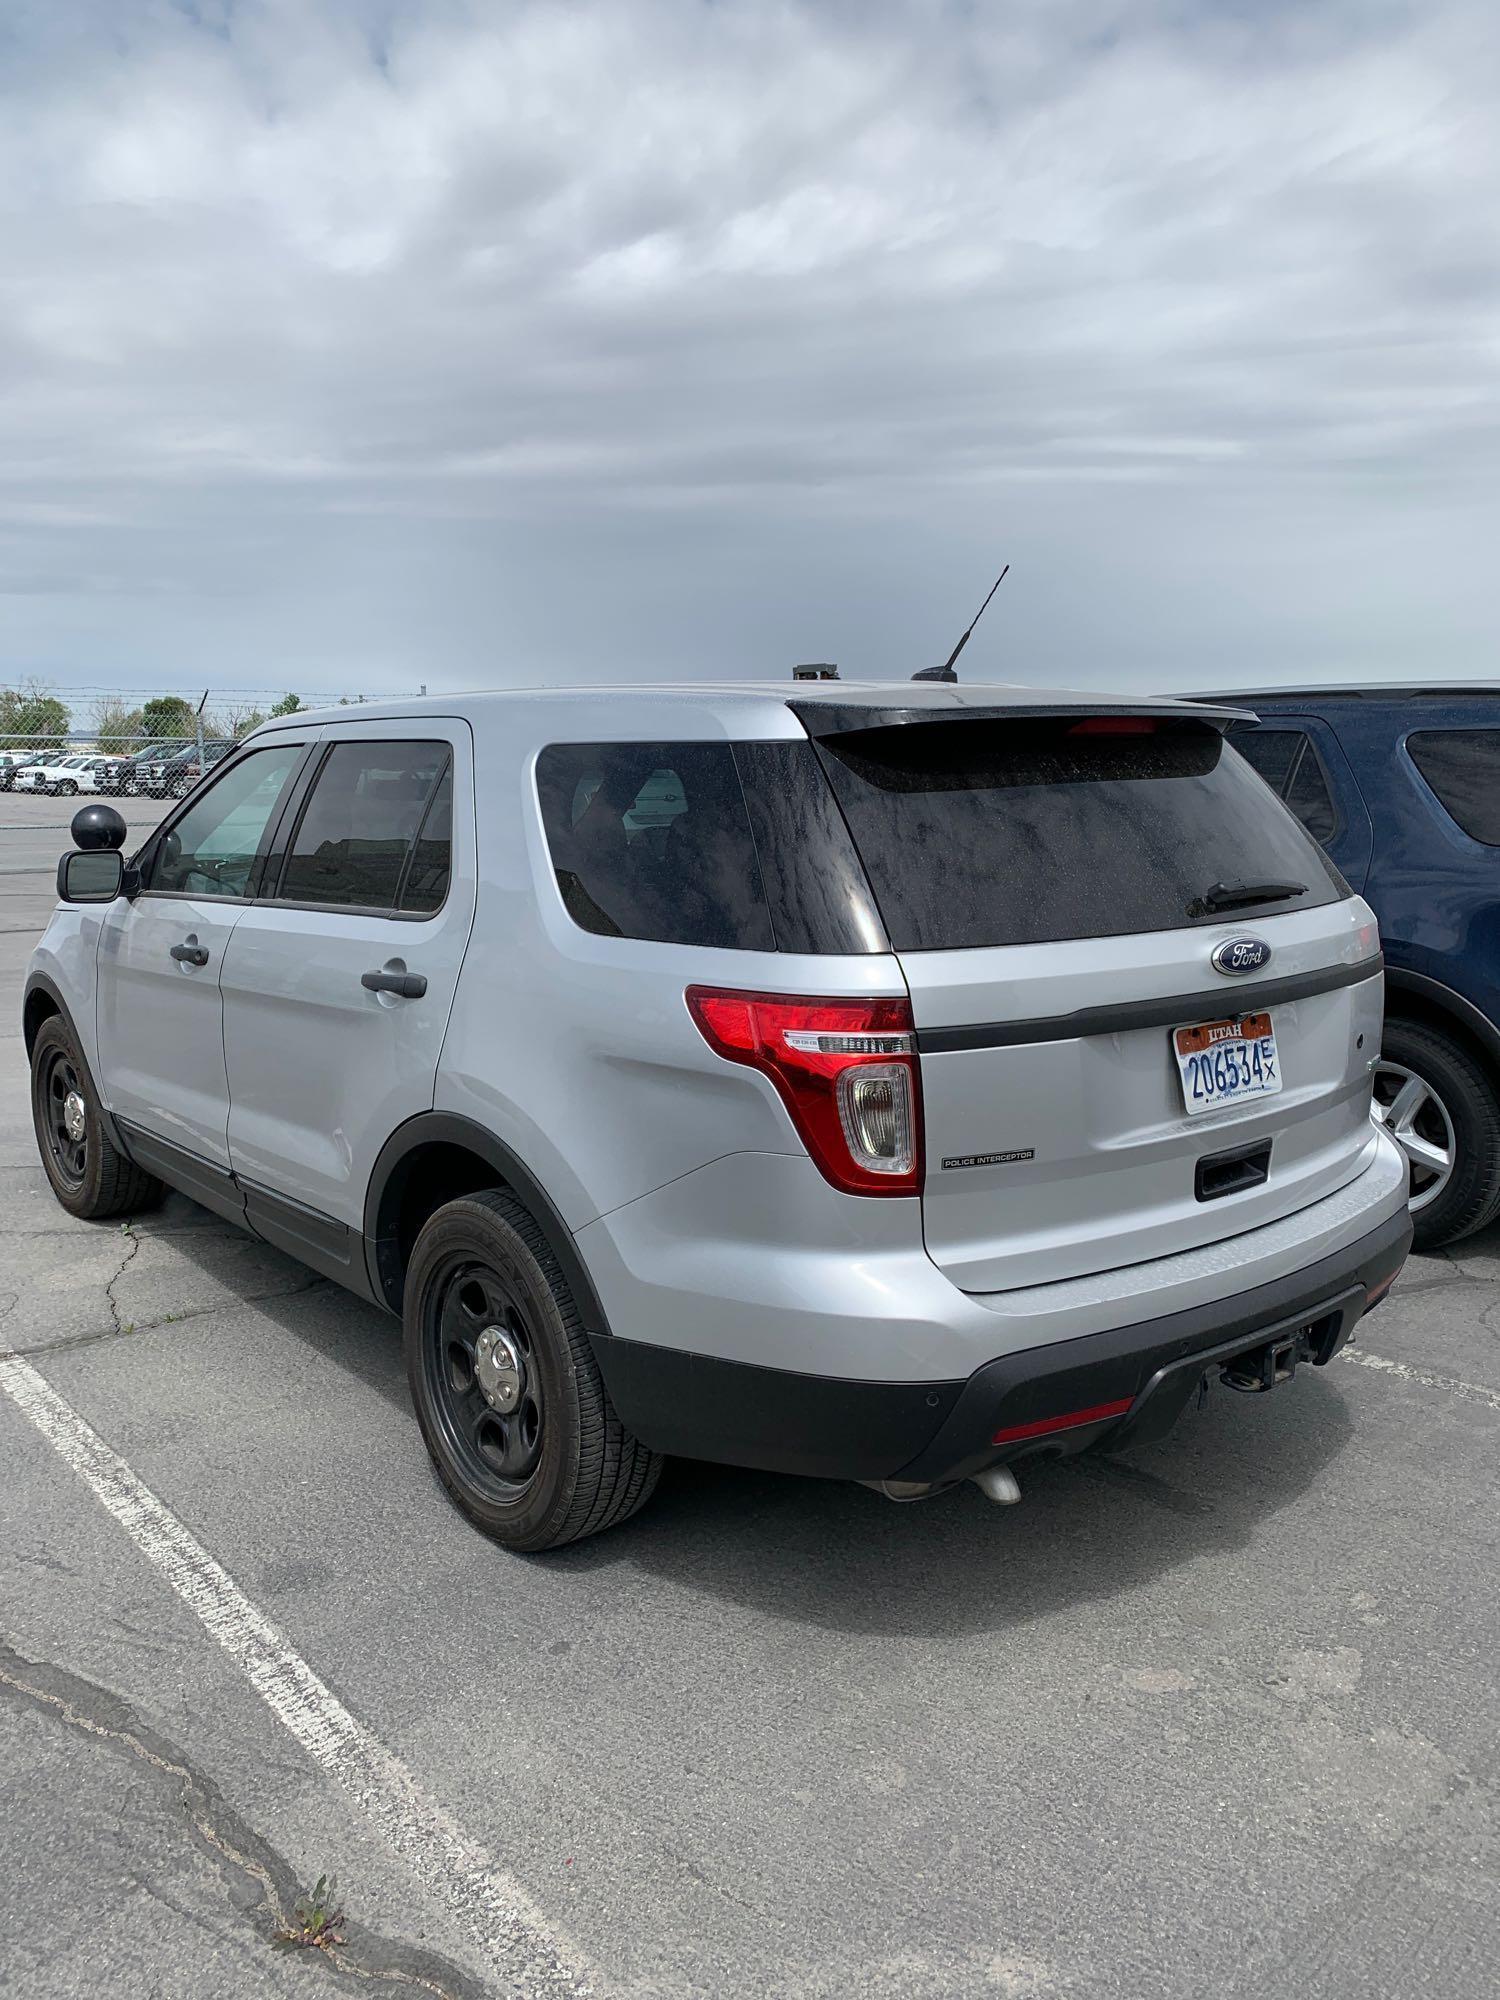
(362, 345)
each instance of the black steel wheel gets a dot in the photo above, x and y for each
(90, 1176)
(64, 1122)
(512, 1406)
(484, 1381)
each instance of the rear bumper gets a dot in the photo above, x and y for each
(1130, 1382)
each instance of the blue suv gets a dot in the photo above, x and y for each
(1401, 785)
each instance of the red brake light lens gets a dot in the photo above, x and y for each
(846, 1071)
(1115, 725)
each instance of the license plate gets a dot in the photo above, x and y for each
(1224, 1062)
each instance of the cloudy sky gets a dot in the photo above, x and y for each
(352, 344)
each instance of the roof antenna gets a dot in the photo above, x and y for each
(945, 671)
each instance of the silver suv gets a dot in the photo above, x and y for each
(886, 1083)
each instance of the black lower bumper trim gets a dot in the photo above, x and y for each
(1156, 1364)
(694, 1406)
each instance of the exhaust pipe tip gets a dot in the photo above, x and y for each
(998, 1483)
(904, 1490)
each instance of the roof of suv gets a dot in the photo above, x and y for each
(1375, 691)
(755, 707)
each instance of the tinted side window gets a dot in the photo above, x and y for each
(426, 886)
(358, 826)
(1308, 795)
(651, 840)
(211, 849)
(1289, 762)
(815, 886)
(1463, 767)
(1271, 751)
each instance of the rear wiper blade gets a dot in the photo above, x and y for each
(1240, 895)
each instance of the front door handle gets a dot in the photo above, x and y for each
(405, 985)
(190, 952)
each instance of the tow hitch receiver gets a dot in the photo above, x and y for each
(1267, 1367)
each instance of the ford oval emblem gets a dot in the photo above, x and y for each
(1242, 954)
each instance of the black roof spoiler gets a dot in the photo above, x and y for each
(840, 718)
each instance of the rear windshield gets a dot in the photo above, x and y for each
(990, 831)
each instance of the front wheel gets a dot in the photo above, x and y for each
(510, 1400)
(1440, 1107)
(67, 789)
(90, 1176)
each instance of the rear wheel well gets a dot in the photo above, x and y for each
(1405, 1003)
(421, 1182)
(39, 1007)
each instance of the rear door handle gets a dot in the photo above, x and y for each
(191, 953)
(405, 985)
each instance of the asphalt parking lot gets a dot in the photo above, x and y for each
(1219, 1717)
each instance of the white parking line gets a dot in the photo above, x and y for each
(492, 1909)
(1470, 1391)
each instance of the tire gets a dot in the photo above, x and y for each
(181, 788)
(90, 1176)
(1447, 1104)
(67, 789)
(543, 1460)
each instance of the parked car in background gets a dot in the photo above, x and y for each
(1401, 786)
(131, 777)
(56, 776)
(12, 761)
(109, 772)
(887, 1082)
(174, 777)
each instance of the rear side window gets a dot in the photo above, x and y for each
(359, 827)
(982, 831)
(1463, 767)
(652, 840)
(814, 885)
(1288, 760)
(1272, 751)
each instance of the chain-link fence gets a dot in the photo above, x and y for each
(129, 741)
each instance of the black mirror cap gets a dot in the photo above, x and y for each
(98, 826)
(95, 875)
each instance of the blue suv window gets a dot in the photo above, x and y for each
(1462, 766)
(1289, 762)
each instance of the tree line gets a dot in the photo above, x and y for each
(32, 717)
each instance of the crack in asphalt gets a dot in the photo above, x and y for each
(128, 1232)
(90, 1710)
(131, 1328)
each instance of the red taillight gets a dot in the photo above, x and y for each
(846, 1071)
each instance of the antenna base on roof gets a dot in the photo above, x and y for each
(935, 674)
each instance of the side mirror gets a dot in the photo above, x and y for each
(97, 875)
(98, 826)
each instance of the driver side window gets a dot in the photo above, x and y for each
(211, 850)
